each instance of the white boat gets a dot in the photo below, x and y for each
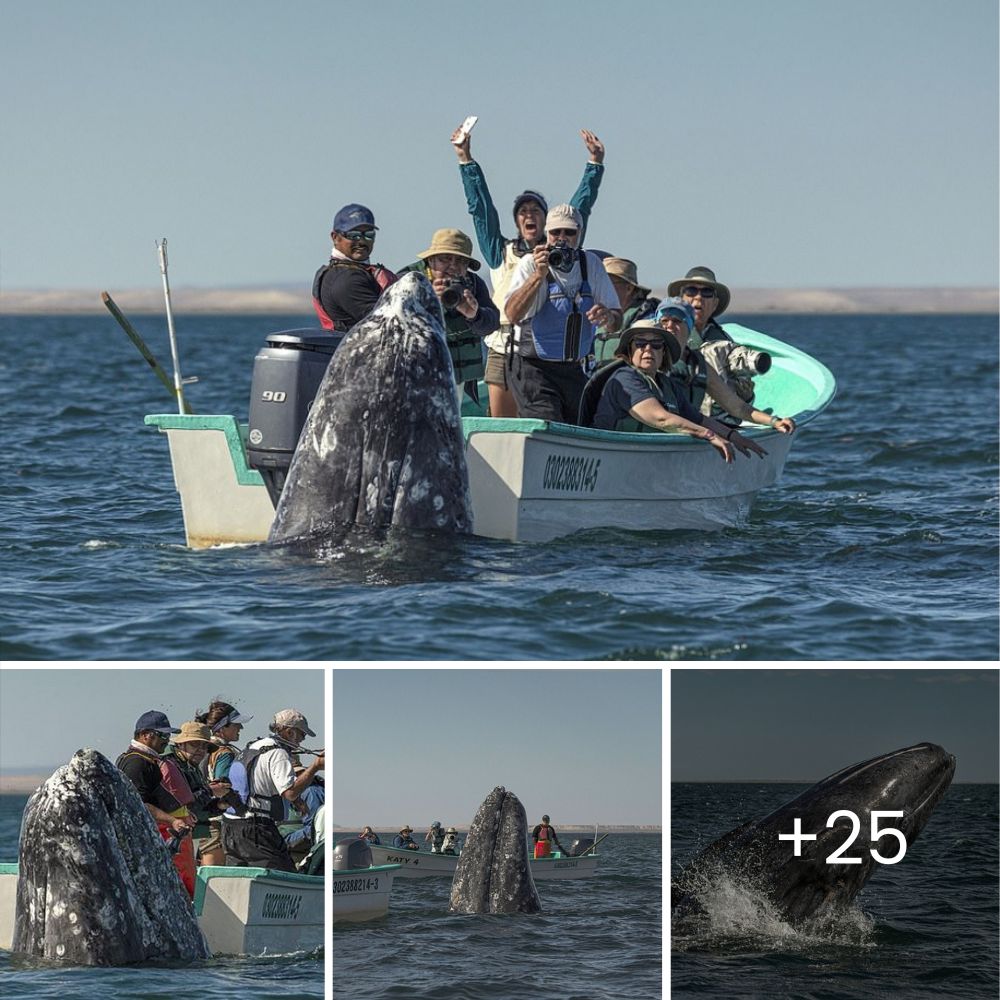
(362, 893)
(241, 911)
(534, 480)
(424, 864)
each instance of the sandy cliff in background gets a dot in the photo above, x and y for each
(288, 299)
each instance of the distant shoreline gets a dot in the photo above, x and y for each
(287, 300)
(560, 827)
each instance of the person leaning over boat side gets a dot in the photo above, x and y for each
(446, 263)
(544, 836)
(709, 299)
(188, 750)
(369, 836)
(162, 788)
(264, 777)
(346, 289)
(635, 300)
(555, 311)
(636, 393)
(698, 380)
(503, 254)
(226, 725)
(450, 844)
(404, 841)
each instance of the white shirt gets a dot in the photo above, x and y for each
(600, 286)
(272, 774)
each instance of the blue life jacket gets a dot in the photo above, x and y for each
(552, 330)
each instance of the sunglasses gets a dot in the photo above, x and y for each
(692, 291)
(562, 232)
(656, 345)
(356, 235)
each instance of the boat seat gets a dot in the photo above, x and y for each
(591, 395)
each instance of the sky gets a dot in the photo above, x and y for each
(801, 725)
(785, 144)
(417, 745)
(46, 715)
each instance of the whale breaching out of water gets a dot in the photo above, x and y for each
(911, 780)
(96, 885)
(493, 874)
(382, 445)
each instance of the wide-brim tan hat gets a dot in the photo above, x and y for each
(702, 276)
(193, 732)
(621, 267)
(673, 351)
(451, 241)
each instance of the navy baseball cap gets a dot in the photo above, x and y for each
(353, 215)
(154, 720)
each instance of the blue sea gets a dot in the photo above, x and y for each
(880, 542)
(597, 938)
(291, 978)
(925, 928)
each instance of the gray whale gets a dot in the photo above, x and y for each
(382, 446)
(912, 779)
(96, 885)
(493, 874)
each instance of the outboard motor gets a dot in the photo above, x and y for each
(351, 853)
(581, 846)
(286, 376)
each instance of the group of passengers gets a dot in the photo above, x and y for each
(441, 841)
(569, 333)
(215, 804)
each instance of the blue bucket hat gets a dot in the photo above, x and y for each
(353, 215)
(154, 720)
(676, 306)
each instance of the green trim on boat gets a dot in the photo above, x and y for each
(8, 867)
(205, 872)
(236, 438)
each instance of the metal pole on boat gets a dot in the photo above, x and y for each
(161, 249)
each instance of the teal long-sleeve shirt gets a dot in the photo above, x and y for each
(484, 214)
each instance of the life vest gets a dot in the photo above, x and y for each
(691, 372)
(214, 757)
(666, 391)
(382, 275)
(500, 279)
(171, 779)
(464, 346)
(552, 333)
(270, 806)
(543, 846)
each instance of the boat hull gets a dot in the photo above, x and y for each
(532, 480)
(424, 864)
(241, 911)
(363, 893)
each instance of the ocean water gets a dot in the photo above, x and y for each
(927, 927)
(291, 978)
(597, 938)
(880, 542)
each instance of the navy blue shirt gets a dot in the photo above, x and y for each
(627, 387)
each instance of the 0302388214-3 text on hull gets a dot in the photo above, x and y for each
(533, 480)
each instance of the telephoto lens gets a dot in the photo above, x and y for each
(453, 294)
(561, 257)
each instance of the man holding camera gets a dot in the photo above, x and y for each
(556, 299)
(469, 312)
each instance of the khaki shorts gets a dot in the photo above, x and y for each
(213, 842)
(495, 369)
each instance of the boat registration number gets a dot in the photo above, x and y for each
(571, 472)
(368, 884)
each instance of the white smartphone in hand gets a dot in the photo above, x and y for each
(464, 129)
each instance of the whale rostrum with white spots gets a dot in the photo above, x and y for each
(382, 445)
(96, 884)
(494, 874)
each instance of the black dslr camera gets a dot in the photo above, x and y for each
(561, 256)
(454, 291)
